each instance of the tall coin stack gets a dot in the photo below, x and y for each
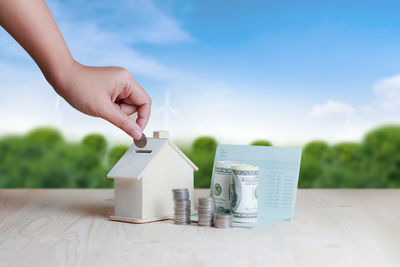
(223, 220)
(182, 206)
(206, 211)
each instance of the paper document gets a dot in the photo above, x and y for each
(278, 177)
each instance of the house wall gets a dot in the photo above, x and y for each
(128, 197)
(167, 171)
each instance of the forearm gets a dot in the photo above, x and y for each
(33, 27)
(107, 92)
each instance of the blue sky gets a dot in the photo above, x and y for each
(287, 71)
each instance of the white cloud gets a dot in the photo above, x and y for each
(95, 46)
(337, 121)
(388, 91)
(136, 21)
(332, 108)
(155, 26)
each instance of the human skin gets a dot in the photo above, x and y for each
(107, 92)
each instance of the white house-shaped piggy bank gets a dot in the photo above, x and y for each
(144, 179)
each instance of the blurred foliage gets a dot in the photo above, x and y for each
(115, 154)
(95, 143)
(43, 158)
(373, 163)
(381, 158)
(44, 136)
(311, 162)
(261, 143)
(202, 154)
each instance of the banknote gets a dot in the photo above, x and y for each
(244, 199)
(222, 185)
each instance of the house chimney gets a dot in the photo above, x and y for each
(160, 134)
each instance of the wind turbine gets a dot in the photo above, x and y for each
(166, 108)
(57, 111)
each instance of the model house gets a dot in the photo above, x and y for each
(144, 179)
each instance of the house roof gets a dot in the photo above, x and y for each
(132, 164)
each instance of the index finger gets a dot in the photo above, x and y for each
(143, 115)
(142, 100)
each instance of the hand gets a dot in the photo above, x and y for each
(110, 93)
(107, 92)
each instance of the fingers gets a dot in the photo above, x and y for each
(132, 98)
(143, 115)
(141, 99)
(127, 108)
(117, 117)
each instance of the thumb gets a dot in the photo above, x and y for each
(117, 117)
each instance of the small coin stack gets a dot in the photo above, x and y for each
(206, 211)
(223, 220)
(182, 206)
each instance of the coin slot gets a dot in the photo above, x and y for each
(143, 151)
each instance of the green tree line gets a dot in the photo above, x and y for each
(43, 158)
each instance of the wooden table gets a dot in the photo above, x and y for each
(70, 228)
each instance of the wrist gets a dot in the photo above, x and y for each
(59, 76)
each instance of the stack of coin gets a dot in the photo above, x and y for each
(223, 220)
(206, 211)
(182, 206)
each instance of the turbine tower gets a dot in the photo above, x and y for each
(57, 111)
(166, 108)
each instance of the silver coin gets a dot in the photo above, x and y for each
(223, 220)
(181, 212)
(181, 215)
(182, 201)
(180, 191)
(206, 200)
(206, 221)
(182, 209)
(142, 142)
(182, 204)
(182, 223)
(206, 203)
(205, 214)
(181, 197)
(210, 209)
(206, 206)
(182, 218)
(204, 224)
(181, 194)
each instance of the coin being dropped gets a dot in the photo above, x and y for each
(142, 142)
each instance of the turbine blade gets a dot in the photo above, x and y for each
(173, 111)
(167, 98)
(159, 109)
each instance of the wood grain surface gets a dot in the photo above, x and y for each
(71, 228)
